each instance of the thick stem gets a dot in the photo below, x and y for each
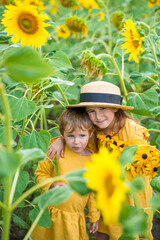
(121, 80)
(8, 133)
(62, 93)
(34, 224)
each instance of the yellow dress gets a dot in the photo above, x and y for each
(68, 218)
(130, 132)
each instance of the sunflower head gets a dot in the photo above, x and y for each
(117, 19)
(108, 185)
(62, 32)
(153, 3)
(68, 3)
(25, 24)
(37, 3)
(53, 7)
(133, 41)
(95, 67)
(76, 25)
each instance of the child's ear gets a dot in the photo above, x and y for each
(115, 109)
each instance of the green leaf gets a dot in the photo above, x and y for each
(60, 60)
(155, 183)
(138, 77)
(9, 162)
(155, 201)
(133, 220)
(3, 134)
(36, 140)
(22, 183)
(143, 102)
(25, 65)
(77, 181)
(45, 220)
(33, 154)
(21, 108)
(53, 196)
(20, 222)
(128, 154)
(155, 111)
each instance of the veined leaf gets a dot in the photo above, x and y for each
(36, 140)
(33, 154)
(21, 108)
(45, 220)
(60, 60)
(25, 65)
(143, 102)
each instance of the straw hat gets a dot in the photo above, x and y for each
(100, 94)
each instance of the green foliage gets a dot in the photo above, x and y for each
(77, 182)
(40, 140)
(45, 220)
(128, 154)
(25, 65)
(21, 108)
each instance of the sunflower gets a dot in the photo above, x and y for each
(68, 3)
(133, 42)
(90, 4)
(108, 185)
(76, 25)
(53, 8)
(143, 156)
(62, 32)
(26, 25)
(117, 19)
(152, 3)
(37, 3)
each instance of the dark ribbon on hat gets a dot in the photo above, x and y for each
(101, 98)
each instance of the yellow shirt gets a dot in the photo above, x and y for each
(68, 218)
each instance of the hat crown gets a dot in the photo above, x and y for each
(100, 87)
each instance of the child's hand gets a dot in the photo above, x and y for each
(57, 184)
(93, 227)
(56, 148)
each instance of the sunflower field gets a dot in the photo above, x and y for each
(48, 50)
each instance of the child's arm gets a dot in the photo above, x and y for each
(45, 170)
(93, 214)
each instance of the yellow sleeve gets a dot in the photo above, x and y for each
(44, 171)
(93, 214)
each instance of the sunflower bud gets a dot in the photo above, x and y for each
(76, 25)
(117, 19)
(68, 3)
(95, 67)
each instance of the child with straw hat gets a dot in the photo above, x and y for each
(103, 103)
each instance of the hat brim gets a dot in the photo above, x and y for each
(95, 104)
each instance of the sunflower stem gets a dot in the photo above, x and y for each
(154, 56)
(8, 134)
(109, 28)
(62, 93)
(104, 55)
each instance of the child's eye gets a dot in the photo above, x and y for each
(90, 111)
(82, 135)
(102, 108)
(70, 136)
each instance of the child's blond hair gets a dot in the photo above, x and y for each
(75, 118)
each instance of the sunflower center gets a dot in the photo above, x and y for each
(153, 1)
(144, 156)
(155, 169)
(109, 186)
(28, 23)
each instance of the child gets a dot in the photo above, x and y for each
(103, 104)
(68, 218)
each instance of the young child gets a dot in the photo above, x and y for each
(103, 104)
(68, 218)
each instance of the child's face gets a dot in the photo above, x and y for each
(102, 117)
(76, 140)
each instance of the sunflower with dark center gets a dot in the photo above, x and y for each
(25, 24)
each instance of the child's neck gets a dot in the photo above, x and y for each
(114, 128)
(85, 152)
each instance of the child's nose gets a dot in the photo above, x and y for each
(76, 140)
(98, 115)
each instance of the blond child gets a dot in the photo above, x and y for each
(68, 218)
(103, 103)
